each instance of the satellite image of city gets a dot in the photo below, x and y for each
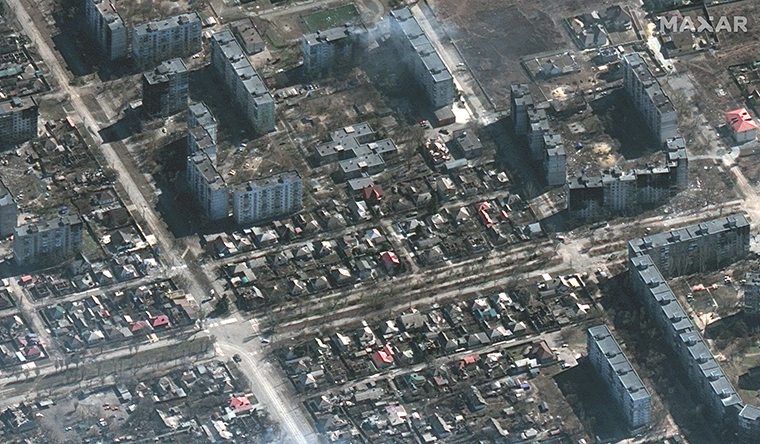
(379, 221)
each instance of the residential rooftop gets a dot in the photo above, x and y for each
(619, 363)
(162, 25)
(162, 72)
(243, 69)
(421, 44)
(48, 225)
(640, 246)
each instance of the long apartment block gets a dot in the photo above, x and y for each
(421, 58)
(651, 102)
(706, 376)
(625, 191)
(620, 378)
(683, 251)
(245, 85)
(155, 42)
(697, 248)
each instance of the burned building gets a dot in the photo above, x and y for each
(334, 49)
(623, 192)
(165, 89)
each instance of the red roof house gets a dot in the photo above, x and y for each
(160, 321)
(140, 326)
(469, 360)
(240, 404)
(743, 126)
(390, 260)
(382, 359)
(373, 193)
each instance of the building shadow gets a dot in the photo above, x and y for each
(79, 51)
(129, 124)
(206, 86)
(398, 87)
(620, 120)
(513, 155)
(591, 402)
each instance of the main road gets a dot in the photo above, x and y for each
(298, 428)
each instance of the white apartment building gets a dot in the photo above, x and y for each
(155, 42)
(106, 27)
(649, 99)
(422, 59)
(208, 186)
(50, 239)
(245, 85)
(267, 198)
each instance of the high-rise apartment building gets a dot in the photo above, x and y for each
(247, 89)
(155, 42)
(106, 28)
(421, 58)
(267, 198)
(649, 99)
(18, 120)
(617, 374)
(208, 186)
(697, 248)
(165, 89)
(325, 51)
(47, 240)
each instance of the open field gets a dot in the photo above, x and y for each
(493, 37)
(331, 18)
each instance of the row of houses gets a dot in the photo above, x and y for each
(685, 251)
